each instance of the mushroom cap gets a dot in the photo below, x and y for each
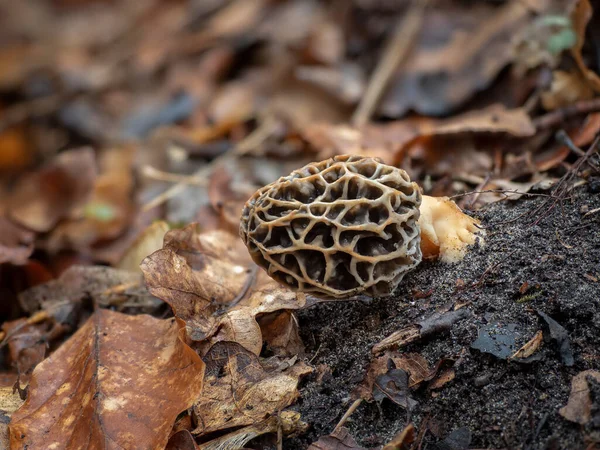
(336, 228)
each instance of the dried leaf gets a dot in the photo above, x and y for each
(340, 439)
(107, 384)
(579, 407)
(238, 391)
(17, 151)
(108, 211)
(393, 385)
(437, 323)
(402, 440)
(26, 343)
(288, 421)
(146, 243)
(106, 286)
(581, 17)
(414, 364)
(280, 331)
(42, 198)
(435, 79)
(530, 347)
(182, 440)
(210, 283)
(558, 334)
(16, 243)
(391, 141)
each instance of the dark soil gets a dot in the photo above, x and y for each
(504, 404)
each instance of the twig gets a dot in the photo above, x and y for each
(344, 418)
(279, 434)
(556, 118)
(478, 190)
(397, 49)
(249, 143)
(562, 187)
(563, 138)
(502, 191)
(589, 213)
(160, 175)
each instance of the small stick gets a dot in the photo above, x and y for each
(557, 117)
(397, 49)
(344, 418)
(249, 143)
(160, 175)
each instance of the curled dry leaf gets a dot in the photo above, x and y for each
(27, 343)
(391, 141)
(414, 364)
(107, 385)
(16, 243)
(209, 281)
(529, 348)
(579, 407)
(239, 392)
(44, 197)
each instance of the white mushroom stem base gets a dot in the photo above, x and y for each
(445, 230)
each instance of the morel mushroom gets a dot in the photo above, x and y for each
(349, 225)
(337, 228)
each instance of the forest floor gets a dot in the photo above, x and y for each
(550, 266)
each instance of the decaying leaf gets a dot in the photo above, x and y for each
(238, 392)
(558, 334)
(529, 348)
(393, 385)
(16, 243)
(146, 243)
(210, 283)
(581, 16)
(109, 209)
(459, 53)
(27, 343)
(42, 198)
(287, 421)
(402, 440)
(340, 439)
(437, 323)
(182, 440)
(579, 407)
(107, 287)
(414, 364)
(107, 384)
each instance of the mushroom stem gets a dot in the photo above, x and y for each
(446, 231)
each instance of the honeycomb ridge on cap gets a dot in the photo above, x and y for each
(337, 228)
